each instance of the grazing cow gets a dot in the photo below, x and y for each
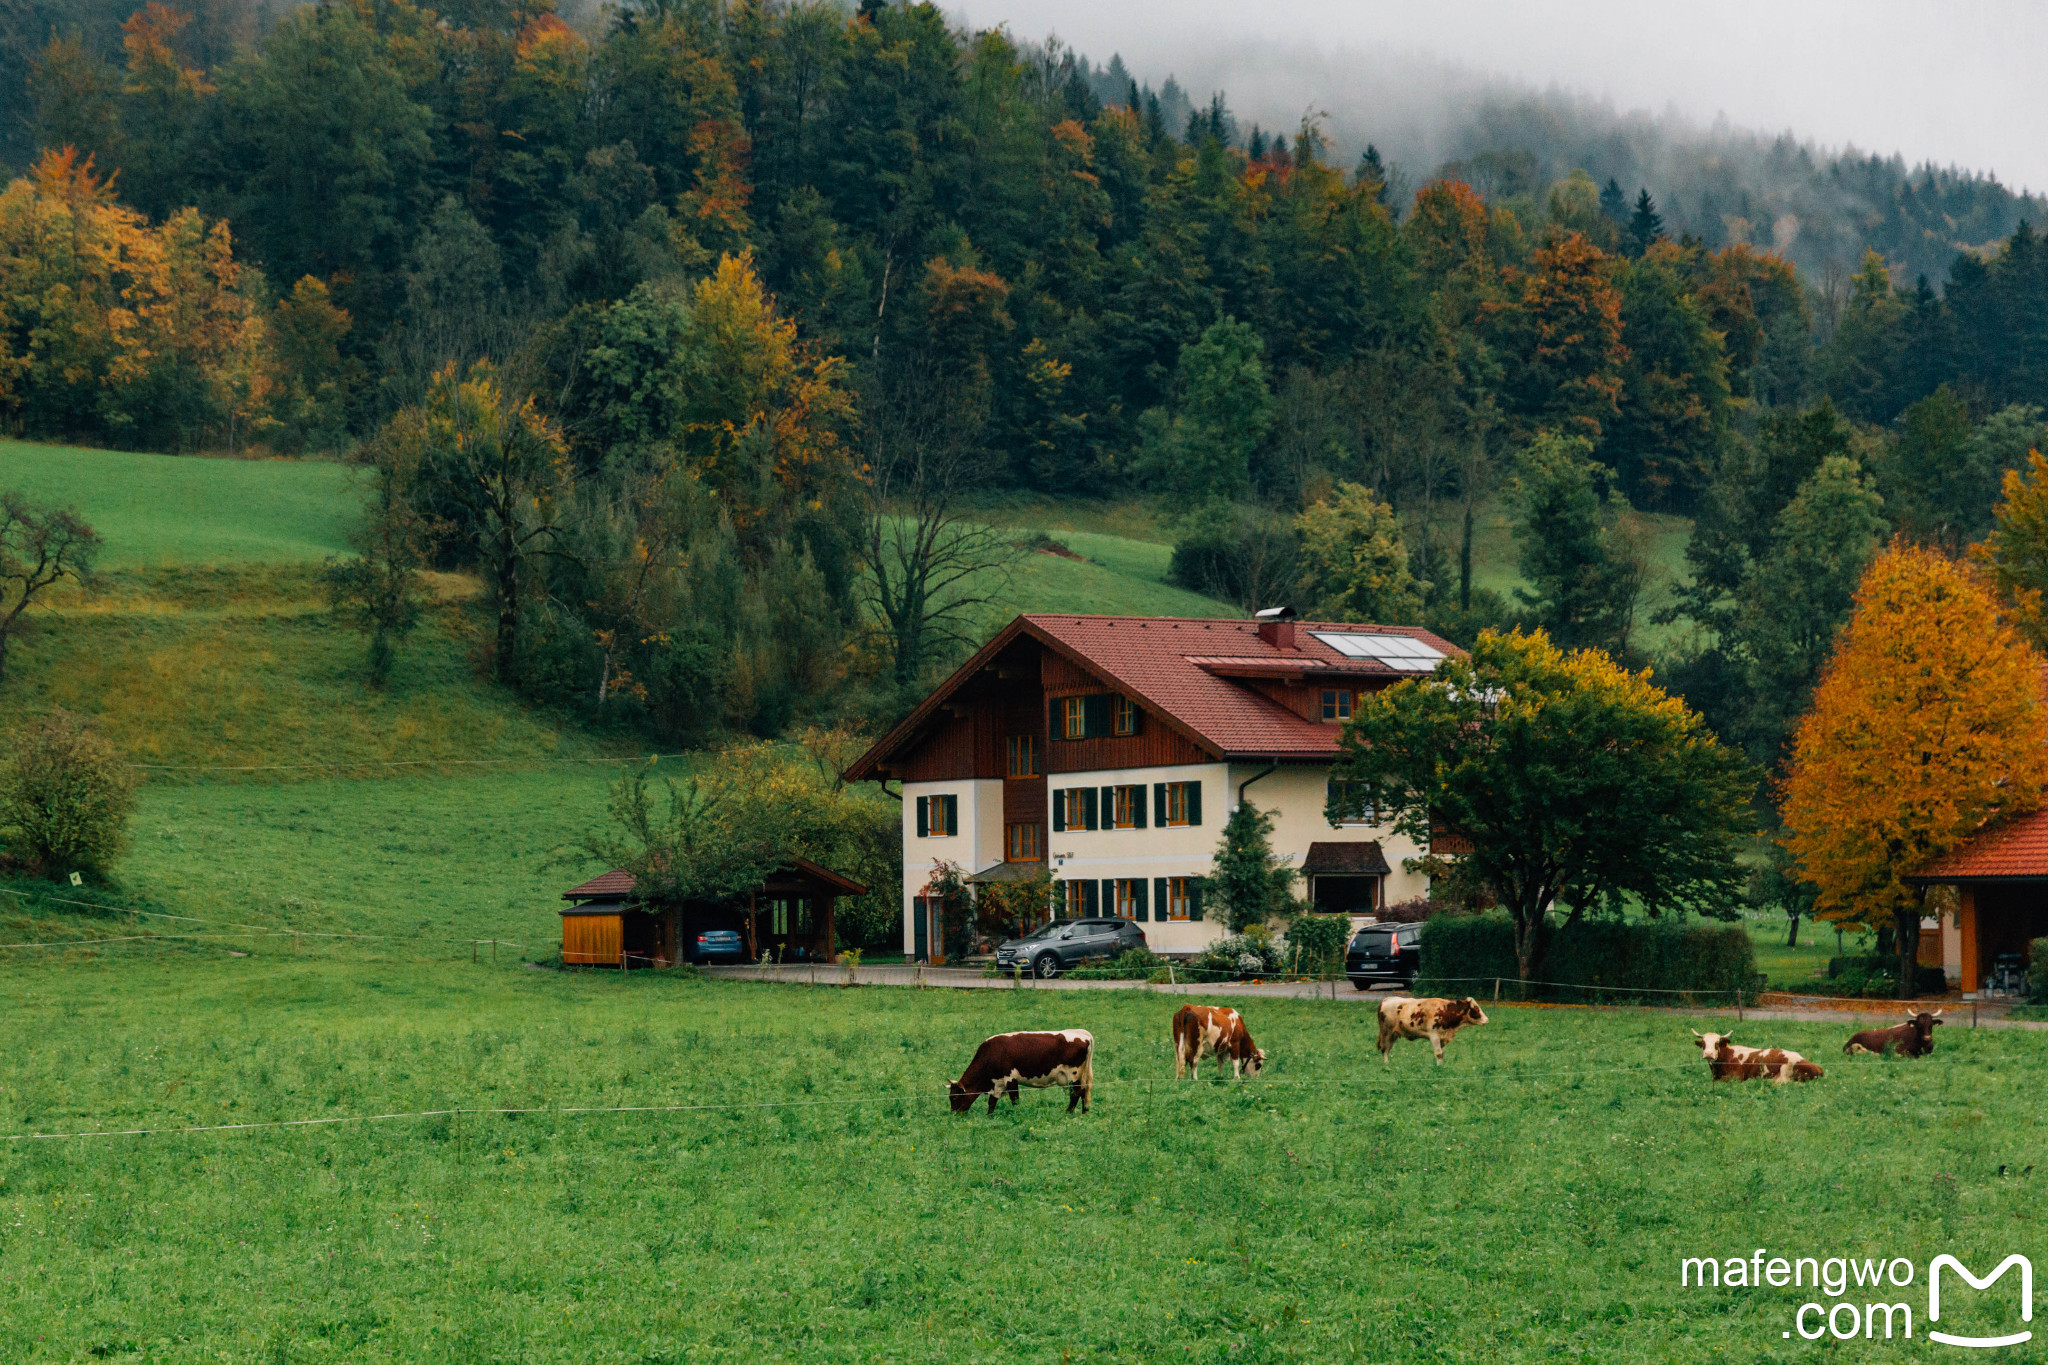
(1914, 1038)
(1209, 1028)
(1437, 1020)
(1008, 1060)
(1733, 1062)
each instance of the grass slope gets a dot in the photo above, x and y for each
(155, 510)
(1530, 1200)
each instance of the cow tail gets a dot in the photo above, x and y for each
(1087, 1074)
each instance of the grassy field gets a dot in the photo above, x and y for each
(155, 510)
(1532, 1200)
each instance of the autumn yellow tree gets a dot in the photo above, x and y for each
(2016, 551)
(1928, 722)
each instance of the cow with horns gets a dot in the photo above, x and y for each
(1914, 1038)
(1732, 1062)
(1008, 1060)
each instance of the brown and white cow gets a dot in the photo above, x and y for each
(1199, 1029)
(1733, 1062)
(1008, 1060)
(1914, 1038)
(1437, 1020)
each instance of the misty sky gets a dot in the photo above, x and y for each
(1952, 81)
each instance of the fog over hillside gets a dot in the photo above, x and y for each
(1820, 197)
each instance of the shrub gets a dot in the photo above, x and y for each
(1651, 957)
(1132, 964)
(1414, 910)
(1319, 940)
(1235, 958)
(2037, 971)
(65, 796)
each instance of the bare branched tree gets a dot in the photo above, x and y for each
(38, 546)
(930, 569)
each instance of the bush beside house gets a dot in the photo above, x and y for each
(1593, 960)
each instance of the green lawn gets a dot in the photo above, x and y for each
(155, 510)
(1530, 1201)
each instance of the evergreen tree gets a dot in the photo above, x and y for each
(1613, 202)
(1585, 577)
(1372, 172)
(1644, 225)
(1247, 882)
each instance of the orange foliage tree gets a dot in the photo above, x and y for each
(1560, 338)
(1928, 722)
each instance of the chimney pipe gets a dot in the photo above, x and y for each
(1276, 626)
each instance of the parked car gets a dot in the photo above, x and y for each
(1061, 944)
(718, 945)
(1384, 955)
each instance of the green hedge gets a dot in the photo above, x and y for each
(1461, 954)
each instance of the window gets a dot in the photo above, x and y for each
(1077, 899)
(1073, 717)
(938, 817)
(1183, 898)
(1026, 843)
(1128, 899)
(1348, 805)
(1127, 808)
(1074, 808)
(1337, 703)
(1024, 756)
(1177, 803)
(1123, 715)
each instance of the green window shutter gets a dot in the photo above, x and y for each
(1090, 905)
(952, 814)
(1109, 807)
(1138, 807)
(1138, 899)
(1162, 896)
(924, 816)
(1059, 812)
(1194, 898)
(1194, 803)
(1109, 897)
(1088, 803)
(1096, 708)
(1052, 719)
(1159, 804)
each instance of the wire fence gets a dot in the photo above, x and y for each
(352, 763)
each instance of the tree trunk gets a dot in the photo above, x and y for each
(508, 609)
(1531, 941)
(1906, 935)
(1465, 561)
(1792, 938)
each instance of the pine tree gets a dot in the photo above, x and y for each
(1372, 174)
(1247, 883)
(1256, 148)
(1644, 225)
(1613, 202)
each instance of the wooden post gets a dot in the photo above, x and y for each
(1496, 990)
(1966, 921)
(472, 952)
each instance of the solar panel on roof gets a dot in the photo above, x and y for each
(1403, 653)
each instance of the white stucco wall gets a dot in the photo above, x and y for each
(978, 843)
(1294, 796)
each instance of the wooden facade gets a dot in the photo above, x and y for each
(788, 918)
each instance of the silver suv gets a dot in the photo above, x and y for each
(1064, 943)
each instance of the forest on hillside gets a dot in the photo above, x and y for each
(695, 329)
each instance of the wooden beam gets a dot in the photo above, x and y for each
(1966, 920)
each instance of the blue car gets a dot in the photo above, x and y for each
(718, 945)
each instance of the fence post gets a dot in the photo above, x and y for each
(472, 952)
(1738, 1004)
(1496, 990)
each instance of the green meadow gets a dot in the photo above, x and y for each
(770, 1172)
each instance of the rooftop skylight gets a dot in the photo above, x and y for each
(1403, 653)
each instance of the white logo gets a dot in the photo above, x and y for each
(2026, 1298)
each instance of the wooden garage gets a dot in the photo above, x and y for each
(789, 917)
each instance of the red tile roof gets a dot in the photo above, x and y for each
(1174, 666)
(2017, 847)
(616, 883)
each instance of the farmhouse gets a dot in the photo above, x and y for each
(789, 917)
(2001, 879)
(1110, 749)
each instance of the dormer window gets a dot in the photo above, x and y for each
(1337, 702)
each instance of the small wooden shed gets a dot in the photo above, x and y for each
(789, 917)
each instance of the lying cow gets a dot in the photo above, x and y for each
(1437, 1020)
(1008, 1060)
(1914, 1038)
(1733, 1062)
(1213, 1029)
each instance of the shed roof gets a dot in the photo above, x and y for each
(799, 874)
(2010, 849)
(1181, 669)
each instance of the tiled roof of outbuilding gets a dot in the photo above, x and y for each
(2017, 847)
